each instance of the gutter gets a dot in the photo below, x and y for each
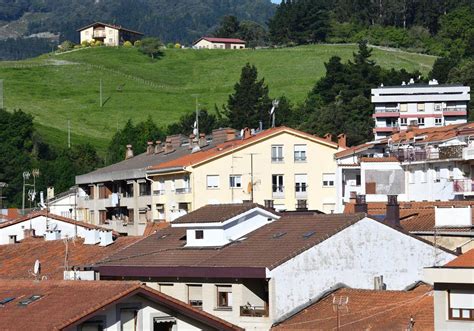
(165, 170)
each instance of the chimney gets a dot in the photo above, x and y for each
(361, 204)
(392, 216)
(168, 146)
(230, 134)
(269, 204)
(202, 140)
(191, 140)
(341, 140)
(158, 148)
(149, 148)
(27, 233)
(129, 152)
(328, 137)
(246, 134)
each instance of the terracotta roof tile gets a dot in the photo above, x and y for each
(65, 303)
(224, 148)
(17, 260)
(367, 310)
(152, 227)
(224, 40)
(465, 260)
(379, 159)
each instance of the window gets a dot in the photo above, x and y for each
(328, 180)
(437, 177)
(144, 188)
(391, 122)
(301, 184)
(199, 234)
(438, 121)
(102, 216)
(437, 107)
(195, 295)
(357, 180)
(235, 181)
(277, 153)
(300, 153)
(411, 177)
(224, 296)
(420, 106)
(461, 305)
(212, 181)
(278, 188)
(450, 172)
(92, 326)
(403, 107)
(403, 121)
(110, 40)
(421, 121)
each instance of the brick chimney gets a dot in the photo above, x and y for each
(202, 140)
(230, 134)
(328, 137)
(247, 134)
(158, 147)
(129, 152)
(361, 204)
(342, 141)
(191, 140)
(149, 148)
(168, 146)
(27, 233)
(392, 216)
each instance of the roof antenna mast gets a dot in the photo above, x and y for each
(272, 111)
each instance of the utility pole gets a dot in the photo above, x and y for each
(1, 94)
(100, 93)
(197, 115)
(26, 176)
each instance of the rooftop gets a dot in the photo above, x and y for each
(113, 26)
(267, 247)
(465, 260)
(17, 260)
(216, 213)
(66, 303)
(367, 310)
(420, 85)
(231, 146)
(222, 40)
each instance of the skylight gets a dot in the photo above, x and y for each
(29, 300)
(308, 234)
(278, 235)
(6, 300)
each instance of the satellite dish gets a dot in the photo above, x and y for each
(37, 268)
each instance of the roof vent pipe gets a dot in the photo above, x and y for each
(129, 152)
(361, 204)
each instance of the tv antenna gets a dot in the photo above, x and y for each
(272, 111)
(338, 304)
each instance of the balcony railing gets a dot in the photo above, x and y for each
(99, 34)
(277, 158)
(183, 190)
(441, 153)
(254, 311)
(158, 192)
(454, 109)
(278, 191)
(387, 110)
(463, 186)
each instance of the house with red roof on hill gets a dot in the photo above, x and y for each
(219, 43)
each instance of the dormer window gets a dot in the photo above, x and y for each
(199, 234)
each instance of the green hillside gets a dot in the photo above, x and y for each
(55, 88)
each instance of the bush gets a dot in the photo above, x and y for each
(85, 43)
(137, 43)
(96, 43)
(127, 44)
(77, 46)
(169, 45)
(66, 46)
(177, 45)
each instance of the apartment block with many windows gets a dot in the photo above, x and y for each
(422, 105)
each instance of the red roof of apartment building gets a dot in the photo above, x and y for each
(465, 260)
(366, 310)
(66, 304)
(233, 145)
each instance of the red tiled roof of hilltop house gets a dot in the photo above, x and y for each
(223, 40)
(233, 145)
(464, 261)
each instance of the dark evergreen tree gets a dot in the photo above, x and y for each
(229, 27)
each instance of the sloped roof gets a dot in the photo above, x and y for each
(230, 146)
(17, 260)
(367, 310)
(113, 26)
(465, 260)
(64, 304)
(221, 40)
(266, 247)
(379, 159)
(217, 213)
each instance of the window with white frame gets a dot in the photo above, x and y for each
(437, 174)
(212, 181)
(300, 153)
(301, 185)
(277, 153)
(420, 107)
(277, 185)
(421, 121)
(438, 121)
(328, 180)
(235, 181)
(461, 305)
(437, 107)
(224, 296)
(403, 107)
(450, 172)
(403, 121)
(195, 295)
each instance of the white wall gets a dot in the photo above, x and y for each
(354, 257)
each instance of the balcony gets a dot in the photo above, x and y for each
(183, 190)
(440, 153)
(390, 129)
(463, 186)
(159, 192)
(99, 34)
(454, 111)
(387, 112)
(468, 153)
(277, 159)
(254, 311)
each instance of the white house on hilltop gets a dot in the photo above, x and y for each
(219, 43)
(109, 34)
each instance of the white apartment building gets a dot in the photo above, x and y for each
(424, 105)
(421, 164)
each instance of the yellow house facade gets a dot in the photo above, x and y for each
(280, 167)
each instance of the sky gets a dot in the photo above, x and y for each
(276, 1)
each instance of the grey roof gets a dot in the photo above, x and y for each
(420, 85)
(134, 167)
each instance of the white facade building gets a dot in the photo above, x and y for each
(219, 43)
(424, 105)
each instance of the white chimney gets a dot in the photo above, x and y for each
(105, 238)
(92, 237)
(52, 235)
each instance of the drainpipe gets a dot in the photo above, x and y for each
(151, 193)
